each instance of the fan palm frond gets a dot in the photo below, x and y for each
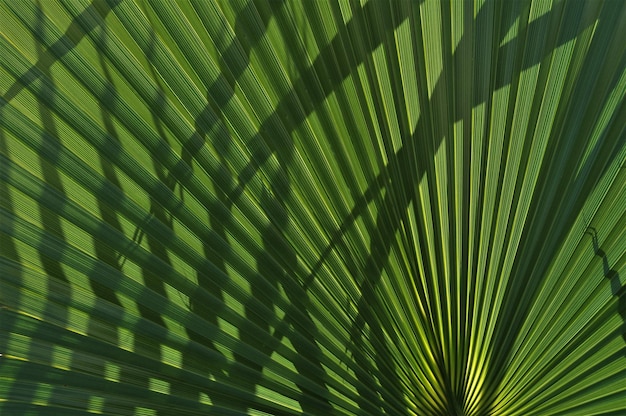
(251, 207)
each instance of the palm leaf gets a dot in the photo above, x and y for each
(250, 207)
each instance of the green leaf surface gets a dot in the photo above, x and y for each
(282, 207)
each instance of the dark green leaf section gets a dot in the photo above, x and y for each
(319, 207)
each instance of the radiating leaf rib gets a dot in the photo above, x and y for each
(361, 207)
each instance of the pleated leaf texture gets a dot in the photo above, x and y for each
(317, 207)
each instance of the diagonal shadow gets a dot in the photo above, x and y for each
(390, 178)
(555, 216)
(72, 36)
(8, 248)
(158, 248)
(74, 33)
(617, 289)
(50, 221)
(103, 252)
(273, 203)
(402, 161)
(563, 394)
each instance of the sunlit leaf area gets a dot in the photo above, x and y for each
(319, 207)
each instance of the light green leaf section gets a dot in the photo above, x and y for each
(318, 207)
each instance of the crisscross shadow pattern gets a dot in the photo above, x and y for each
(282, 207)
